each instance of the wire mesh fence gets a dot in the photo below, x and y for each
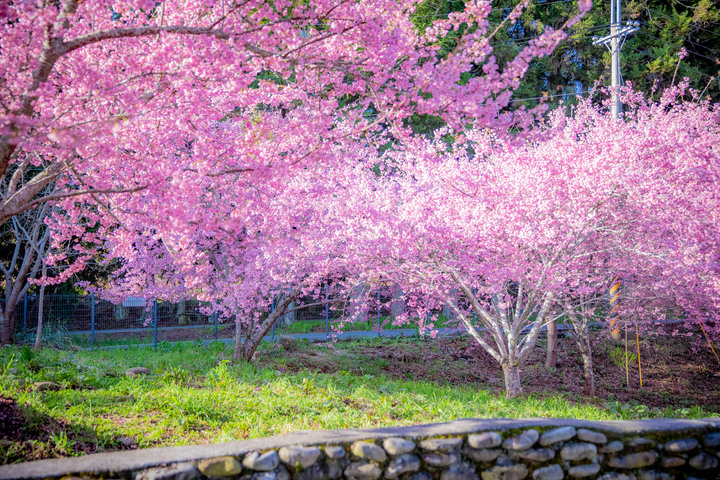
(90, 321)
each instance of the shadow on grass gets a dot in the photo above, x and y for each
(26, 434)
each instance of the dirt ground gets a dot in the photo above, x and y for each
(677, 373)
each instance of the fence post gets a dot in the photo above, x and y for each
(155, 318)
(92, 319)
(327, 315)
(215, 325)
(25, 314)
(378, 320)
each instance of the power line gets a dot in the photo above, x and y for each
(497, 9)
(660, 14)
(689, 41)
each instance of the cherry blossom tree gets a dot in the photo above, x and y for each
(27, 235)
(292, 247)
(157, 109)
(107, 97)
(523, 229)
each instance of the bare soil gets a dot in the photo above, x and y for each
(676, 372)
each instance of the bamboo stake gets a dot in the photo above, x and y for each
(627, 365)
(637, 338)
(708, 340)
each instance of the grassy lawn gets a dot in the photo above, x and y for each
(318, 326)
(194, 395)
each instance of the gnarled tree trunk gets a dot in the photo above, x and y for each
(257, 331)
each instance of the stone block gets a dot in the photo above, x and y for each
(509, 472)
(557, 435)
(220, 466)
(540, 455)
(483, 455)
(459, 473)
(653, 475)
(585, 435)
(403, 464)
(578, 451)
(584, 471)
(553, 472)
(334, 451)
(522, 441)
(368, 451)
(672, 462)
(633, 460)
(612, 447)
(640, 443)
(485, 440)
(703, 461)
(362, 471)
(617, 476)
(398, 446)
(299, 456)
(176, 471)
(682, 445)
(262, 462)
(442, 445)
(320, 471)
(277, 474)
(441, 459)
(712, 440)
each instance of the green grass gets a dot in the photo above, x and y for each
(318, 326)
(195, 395)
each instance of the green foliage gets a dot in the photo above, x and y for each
(54, 334)
(618, 357)
(648, 60)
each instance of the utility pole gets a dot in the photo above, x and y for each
(614, 42)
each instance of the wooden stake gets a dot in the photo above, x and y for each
(627, 365)
(708, 340)
(637, 338)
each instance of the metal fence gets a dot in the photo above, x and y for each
(91, 321)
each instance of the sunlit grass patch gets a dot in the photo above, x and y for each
(195, 395)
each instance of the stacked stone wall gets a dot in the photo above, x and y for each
(462, 450)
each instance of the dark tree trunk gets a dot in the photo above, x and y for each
(8, 333)
(551, 359)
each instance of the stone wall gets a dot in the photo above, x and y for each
(538, 449)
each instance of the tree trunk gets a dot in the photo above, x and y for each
(551, 359)
(182, 316)
(41, 302)
(588, 373)
(252, 342)
(8, 332)
(397, 306)
(237, 352)
(513, 388)
(257, 331)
